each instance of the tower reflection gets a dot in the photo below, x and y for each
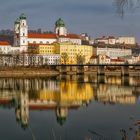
(41, 94)
(64, 93)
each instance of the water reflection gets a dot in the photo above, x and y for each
(64, 93)
(44, 94)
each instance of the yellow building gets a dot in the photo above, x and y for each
(70, 53)
(74, 54)
(42, 48)
(70, 93)
(47, 49)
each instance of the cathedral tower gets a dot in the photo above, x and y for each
(21, 33)
(16, 33)
(60, 28)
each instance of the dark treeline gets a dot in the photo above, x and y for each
(11, 32)
(8, 38)
(8, 34)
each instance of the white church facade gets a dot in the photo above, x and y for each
(22, 37)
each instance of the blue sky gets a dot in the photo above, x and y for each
(95, 17)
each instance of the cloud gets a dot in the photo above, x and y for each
(96, 17)
(85, 8)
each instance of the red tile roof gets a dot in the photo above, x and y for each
(42, 107)
(63, 36)
(5, 101)
(49, 107)
(45, 36)
(93, 57)
(107, 57)
(117, 60)
(53, 36)
(74, 36)
(4, 43)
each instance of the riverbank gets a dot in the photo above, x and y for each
(48, 72)
(27, 72)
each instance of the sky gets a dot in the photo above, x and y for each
(95, 17)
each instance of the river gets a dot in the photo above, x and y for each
(70, 108)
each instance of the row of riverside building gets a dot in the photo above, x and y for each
(62, 47)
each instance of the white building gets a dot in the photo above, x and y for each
(72, 38)
(36, 38)
(115, 94)
(112, 52)
(29, 60)
(103, 40)
(93, 59)
(22, 38)
(39, 60)
(51, 59)
(111, 40)
(21, 33)
(22, 110)
(126, 40)
(5, 47)
(103, 59)
(132, 59)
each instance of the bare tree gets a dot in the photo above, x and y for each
(122, 4)
(31, 60)
(40, 61)
(64, 57)
(80, 59)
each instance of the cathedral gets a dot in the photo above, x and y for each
(22, 38)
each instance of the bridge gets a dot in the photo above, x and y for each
(99, 69)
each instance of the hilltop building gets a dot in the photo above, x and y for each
(60, 47)
(112, 52)
(111, 40)
(22, 37)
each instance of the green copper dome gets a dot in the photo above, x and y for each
(22, 16)
(61, 120)
(60, 23)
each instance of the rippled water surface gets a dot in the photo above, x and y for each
(70, 108)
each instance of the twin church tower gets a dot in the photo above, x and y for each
(21, 35)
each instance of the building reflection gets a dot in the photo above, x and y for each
(44, 95)
(64, 93)
(115, 94)
(22, 109)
